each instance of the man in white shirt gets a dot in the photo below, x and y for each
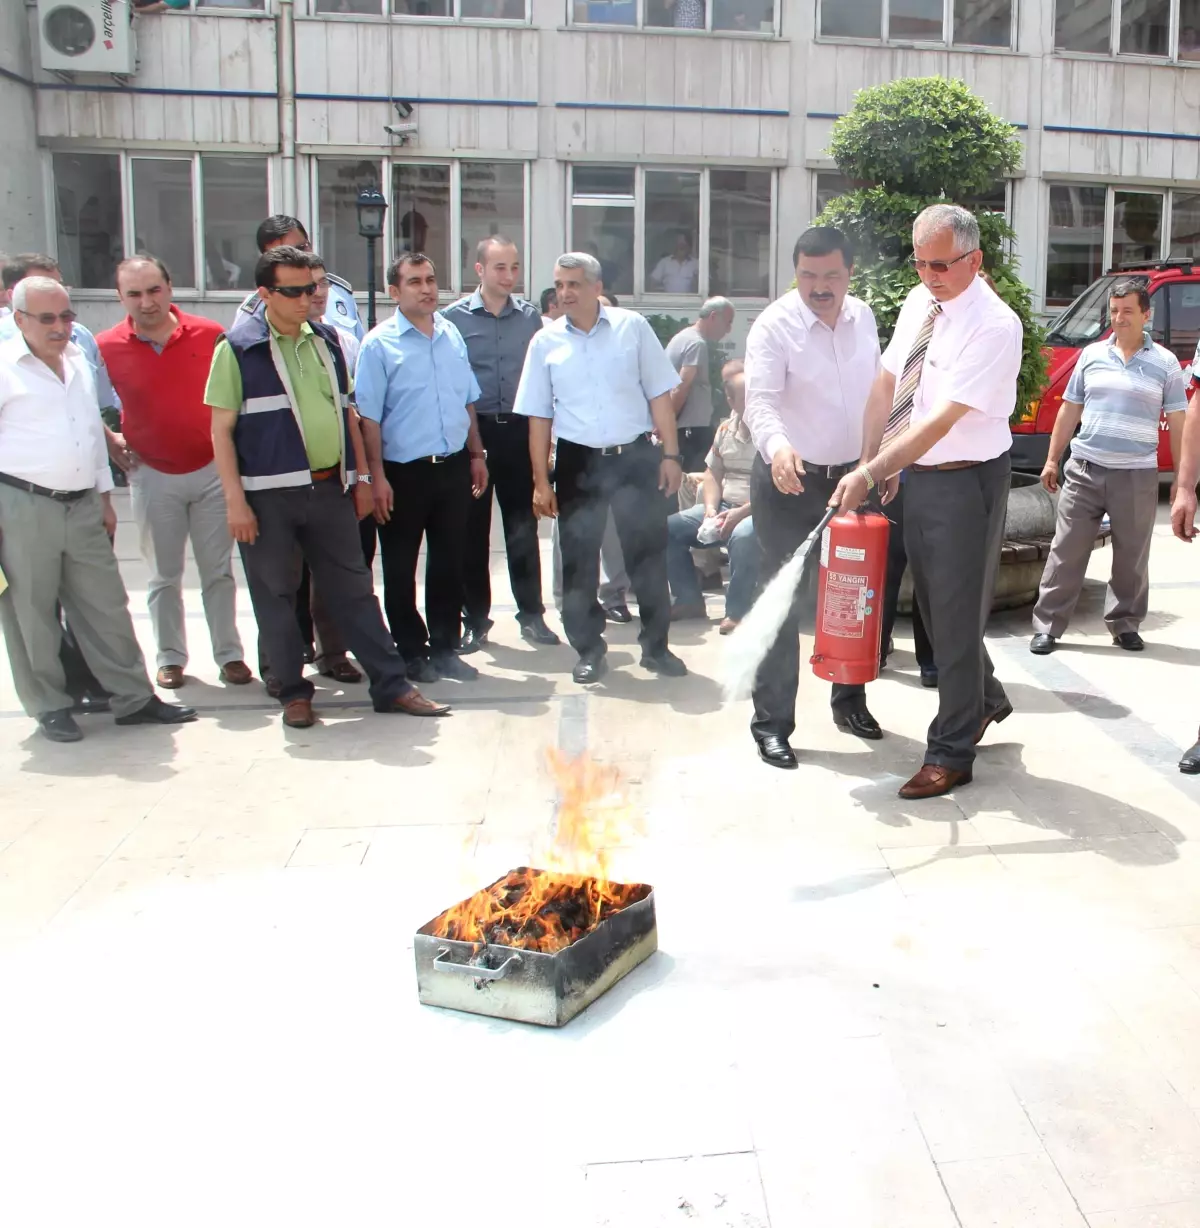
(940, 409)
(678, 272)
(56, 515)
(811, 359)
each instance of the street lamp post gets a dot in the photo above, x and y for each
(371, 206)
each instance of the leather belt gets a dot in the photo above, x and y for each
(500, 419)
(32, 488)
(945, 467)
(440, 459)
(323, 475)
(832, 472)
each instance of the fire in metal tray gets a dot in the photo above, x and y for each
(536, 910)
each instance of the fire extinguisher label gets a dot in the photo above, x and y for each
(845, 606)
(852, 554)
(825, 548)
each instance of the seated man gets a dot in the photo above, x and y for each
(725, 494)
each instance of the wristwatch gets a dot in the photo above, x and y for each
(479, 455)
(364, 479)
(673, 456)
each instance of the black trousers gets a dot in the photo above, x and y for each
(896, 566)
(954, 531)
(431, 502)
(587, 485)
(506, 438)
(318, 520)
(694, 445)
(781, 523)
(80, 682)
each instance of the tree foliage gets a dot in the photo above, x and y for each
(918, 142)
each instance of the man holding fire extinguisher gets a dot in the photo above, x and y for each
(811, 360)
(940, 409)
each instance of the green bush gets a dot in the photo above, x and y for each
(914, 143)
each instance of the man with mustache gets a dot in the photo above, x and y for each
(811, 359)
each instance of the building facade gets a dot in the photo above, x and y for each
(682, 141)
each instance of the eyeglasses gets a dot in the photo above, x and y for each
(295, 291)
(48, 317)
(938, 266)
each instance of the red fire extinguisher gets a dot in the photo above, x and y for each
(850, 598)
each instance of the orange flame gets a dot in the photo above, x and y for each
(546, 911)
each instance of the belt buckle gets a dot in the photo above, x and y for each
(437, 460)
(615, 450)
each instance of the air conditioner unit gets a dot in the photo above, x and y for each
(86, 36)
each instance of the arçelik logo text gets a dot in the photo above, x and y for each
(106, 10)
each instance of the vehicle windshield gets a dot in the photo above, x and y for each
(1086, 320)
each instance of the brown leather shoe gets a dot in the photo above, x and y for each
(993, 718)
(342, 671)
(298, 714)
(236, 673)
(728, 625)
(414, 704)
(933, 780)
(170, 677)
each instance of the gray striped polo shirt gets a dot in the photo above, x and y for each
(1122, 403)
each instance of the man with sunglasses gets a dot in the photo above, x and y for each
(940, 410)
(56, 522)
(279, 392)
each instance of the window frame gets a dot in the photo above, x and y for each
(776, 30)
(195, 284)
(454, 17)
(659, 299)
(458, 266)
(947, 39)
(1114, 51)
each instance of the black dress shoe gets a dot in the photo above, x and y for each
(450, 665)
(618, 614)
(1130, 641)
(421, 669)
(929, 678)
(774, 750)
(473, 640)
(59, 727)
(590, 667)
(1042, 645)
(1189, 765)
(155, 712)
(90, 705)
(534, 629)
(665, 663)
(861, 724)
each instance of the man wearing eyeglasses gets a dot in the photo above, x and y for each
(56, 519)
(940, 409)
(279, 392)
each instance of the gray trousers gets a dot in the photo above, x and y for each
(59, 552)
(953, 531)
(169, 509)
(320, 521)
(614, 579)
(1130, 497)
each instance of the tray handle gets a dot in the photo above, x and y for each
(443, 963)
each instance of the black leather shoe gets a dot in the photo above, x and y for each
(618, 614)
(1130, 641)
(473, 640)
(534, 629)
(774, 750)
(89, 705)
(1042, 645)
(449, 665)
(861, 724)
(59, 727)
(1189, 765)
(665, 663)
(929, 678)
(421, 669)
(589, 668)
(155, 712)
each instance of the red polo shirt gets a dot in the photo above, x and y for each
(163, 415)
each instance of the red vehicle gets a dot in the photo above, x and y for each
(1174, 287)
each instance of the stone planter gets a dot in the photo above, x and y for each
(1029, 519)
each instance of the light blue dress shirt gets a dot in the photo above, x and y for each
(416, 387)
(596, 386)
(105, 393)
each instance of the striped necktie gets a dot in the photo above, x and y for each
(906, 389)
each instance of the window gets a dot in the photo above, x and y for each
(672, 232)
(731, 16)
(337, 237)
(464, 10)
(421, 214)
(493, 203)
(196, 212)
(971, 23)
(234, 190)
(1158, 28)
(87, 190)
(830, 185)
(1137, 227)
(163, 216)
(1075, 250)
(1185, 225)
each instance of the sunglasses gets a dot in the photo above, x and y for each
(48, 317)
(938, 266)
(307, 290)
